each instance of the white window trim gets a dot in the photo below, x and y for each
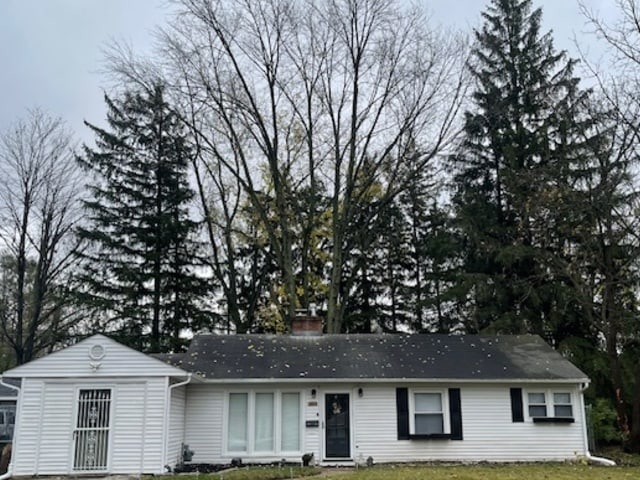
(277, 425)
(444, 397)
(549, 403)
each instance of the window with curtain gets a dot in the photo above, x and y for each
(264, 422)
(290, 427)
(238, 409)
(263, 431)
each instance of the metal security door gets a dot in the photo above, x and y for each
(337, 437)
(91, 436)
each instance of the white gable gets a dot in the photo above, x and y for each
(96, 356)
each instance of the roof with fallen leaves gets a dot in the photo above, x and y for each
(375, 356)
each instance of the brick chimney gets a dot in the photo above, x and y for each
(307, 324)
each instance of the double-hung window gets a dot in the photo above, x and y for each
(428, 415)
(550, 406)
(537, 404)
(562, 406)
(264, 422)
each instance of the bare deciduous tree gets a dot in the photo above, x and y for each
(308, 105)
(617, 214)
(619, 80)
(38, 210)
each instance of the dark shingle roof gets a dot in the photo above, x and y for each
(370, 356)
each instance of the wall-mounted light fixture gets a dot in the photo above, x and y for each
(313, 393)
(360, 392)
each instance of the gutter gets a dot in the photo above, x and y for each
(405, 380)
(9, 472)
(593, 459)
(167, 418)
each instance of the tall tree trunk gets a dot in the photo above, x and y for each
(334, 317)
(157, 254)
(634, 434)
(21, 266)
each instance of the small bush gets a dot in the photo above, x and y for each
(603, 420)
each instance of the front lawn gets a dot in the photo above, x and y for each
(497, 472)
(468, 472)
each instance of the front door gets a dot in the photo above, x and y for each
(337, 437)
(91, 435)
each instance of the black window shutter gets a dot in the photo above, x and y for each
(517, 413)
(455, 413)
(402, 409)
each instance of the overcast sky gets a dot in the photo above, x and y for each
(51, 50)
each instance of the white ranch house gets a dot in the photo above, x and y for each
(101, 407)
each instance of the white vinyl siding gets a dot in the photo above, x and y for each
(44, 446)
(311, 436)
(176, 426)
(208, 419)
(138, 427)
(49, 401)
(75, 362)
(25, 448)
(47, 420)
(489, 433)
(205, 423)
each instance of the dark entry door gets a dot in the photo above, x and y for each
(337, 439)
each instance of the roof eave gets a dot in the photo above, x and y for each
(395, 380)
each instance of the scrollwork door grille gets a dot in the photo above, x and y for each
(91, 436)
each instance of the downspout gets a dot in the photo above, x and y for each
(599, 460)
(143, 439)
(15, 427)
(167, 419)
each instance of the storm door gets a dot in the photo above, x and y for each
(337, 437)
(91, 436)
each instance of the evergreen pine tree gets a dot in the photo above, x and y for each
(435, 255)
(521, 141)
(141, 265)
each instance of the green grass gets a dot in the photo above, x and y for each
(496, 472)
(620, 457)
(467, 472)
(524, 471)
(253, 473)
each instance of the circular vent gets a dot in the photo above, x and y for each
(96, 352)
